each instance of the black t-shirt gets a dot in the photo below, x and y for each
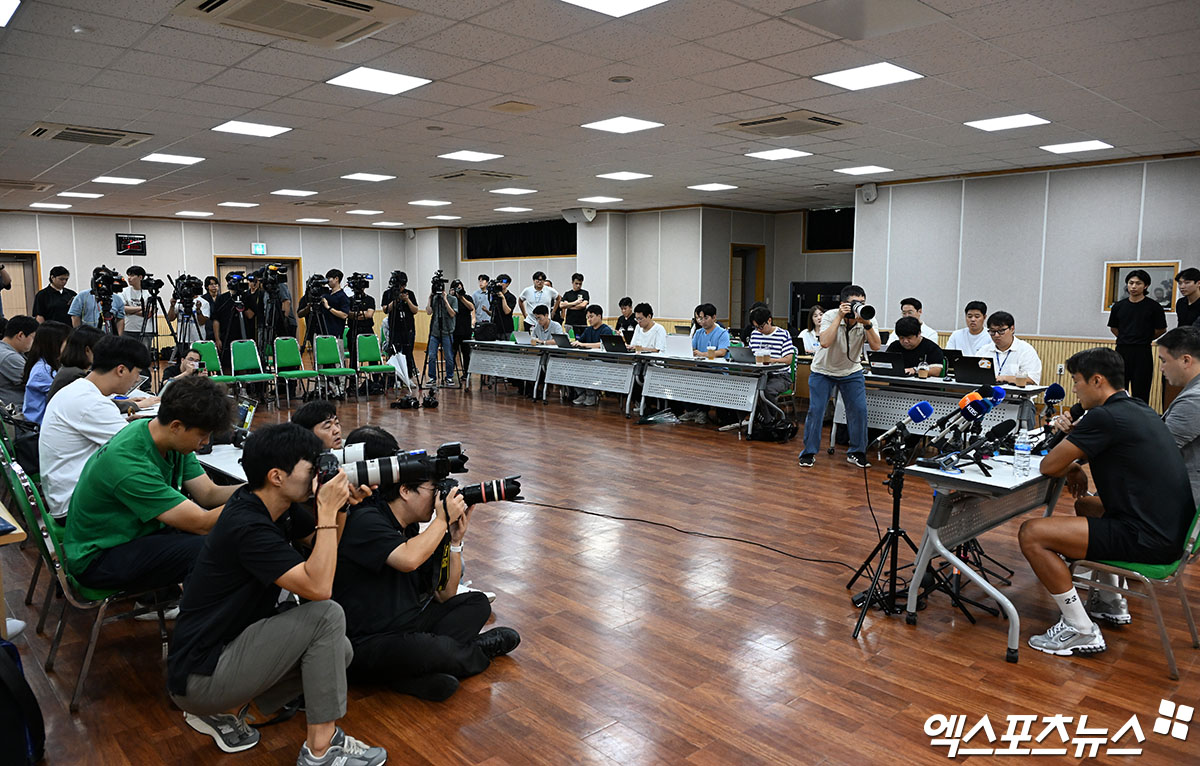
(376, 597)
(337, 300)
(462, 316)
(401, 322)
(231, 587)
(1187, 314)
(52, 304)
(626, 325)
(578, 316)
(225, 313)
(926, 351)
(1136, 323)
(362, 326)
(503, 321)
(1139, 472)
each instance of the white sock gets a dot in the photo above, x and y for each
(1072, 610)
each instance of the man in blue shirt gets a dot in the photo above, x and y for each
(590, 338)
(85, 310)
(710, 333)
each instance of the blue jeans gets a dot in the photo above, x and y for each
(853, 389)
(447, 346)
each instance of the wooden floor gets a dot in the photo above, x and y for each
(643, 645)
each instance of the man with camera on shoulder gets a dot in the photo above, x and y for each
(100, 305)
(398, 585)
(442, 309)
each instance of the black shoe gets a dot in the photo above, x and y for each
(807, 460)
(434, 687)
(858, 460)
(498, 641)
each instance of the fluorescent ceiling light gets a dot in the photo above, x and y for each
(778, 154)
(870, 76)
(469, 156)
(624, 175)
(251, 129)
(312, 220)
(118, 180)
(600, 200)
(513, 209)
(387, 223)
(194, 213)
(237, 204)
(293, 193)
(616, 8)
(367, 177)
(80, 195)
(50, 205)
(172, 159)
(864, 170)
(1078, 146)
(378, 81)
(512, 190)
(622, 125)
(429, 202)
(1007, 123)
(7, 9)
(443, 217)
(712, 187)
(364, 212)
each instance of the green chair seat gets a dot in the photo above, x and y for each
(222, 378)
(254, 377)
(1152, 571)
(372, 368)
(297, 374)
(337, 371)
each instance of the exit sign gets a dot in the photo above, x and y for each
(258, 248)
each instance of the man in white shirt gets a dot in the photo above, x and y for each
(141, 320)
(537, 294)
(911, 307)
(649, 337)
(1011, 356)
(971, 339)
(188, 330)
(81, 418)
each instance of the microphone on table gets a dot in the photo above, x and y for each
(974, 396)
(1054, 396)
(997, 395)
(994, 436)
(917, 413)
(1077, 412)
(974, 411)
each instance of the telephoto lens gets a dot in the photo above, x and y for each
(862, 310)
(508, 488)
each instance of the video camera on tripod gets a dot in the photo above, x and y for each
(437, 285)
(270, 276)
(397, 281)
(317, 287)
(238, 285)
(151, 285)
(106, 283)
(187, 289)
(358, 283)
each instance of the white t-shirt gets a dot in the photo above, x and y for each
(1020, 359)
(79, 420)
(544, 297)
(136, 298)
(189, 332)
(962, 340)
(810, 341)
(655, 338)
(929, 332)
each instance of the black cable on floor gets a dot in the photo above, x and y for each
(689, 532)
(874, 518)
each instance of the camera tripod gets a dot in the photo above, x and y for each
(889, 597)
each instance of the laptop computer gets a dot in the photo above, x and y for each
(140, 382)
(561, 340)
(883, 337)
(952, 355)
(522, 338)
(886, 363)
(578, 329)
(743, 354)
(678, 345)
(979, 370)
(615, 343)
(245, 411)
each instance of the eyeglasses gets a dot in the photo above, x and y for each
(994, 332)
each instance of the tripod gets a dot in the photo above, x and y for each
(888, 598)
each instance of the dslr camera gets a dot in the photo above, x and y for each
(438, 283)
(862, 310)
(106, 282)
(317, 287)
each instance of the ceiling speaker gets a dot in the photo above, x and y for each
(579, 214)
(870, 193)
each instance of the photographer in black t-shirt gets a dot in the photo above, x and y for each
(502, 305)
(409, 629)
(1141, 514)
(1136, 321)
(400, 305)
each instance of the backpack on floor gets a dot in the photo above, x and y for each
(22, 730)
(781, 430)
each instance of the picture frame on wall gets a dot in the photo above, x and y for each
(1162, 281)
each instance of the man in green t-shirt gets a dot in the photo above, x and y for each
(130, 526)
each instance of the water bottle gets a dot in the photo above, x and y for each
(1021, 450)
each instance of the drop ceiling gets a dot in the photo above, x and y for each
(1126, 72)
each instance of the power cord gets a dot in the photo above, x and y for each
(694, 533)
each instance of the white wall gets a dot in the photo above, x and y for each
(1033, 244)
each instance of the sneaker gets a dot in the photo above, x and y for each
(431, 383)
(581, 399)
(1110, 607)
(498, 641)
(465, 587)
(168, 615)
(449, 381)
(807, 460)
(344, 750)
(592, 400)
(858, 460)
(701, 418)
(13, 627)
(1064, 640)
(231, 733)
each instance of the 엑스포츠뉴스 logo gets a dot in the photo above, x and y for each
(1173, 719)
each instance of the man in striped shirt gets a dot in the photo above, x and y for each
(778, 343)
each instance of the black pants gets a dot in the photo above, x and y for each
(459, 343)
(1139, 369)
(440, 640)
(152, 562)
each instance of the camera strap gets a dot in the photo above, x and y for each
(444, 573)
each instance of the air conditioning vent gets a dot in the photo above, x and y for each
(82, 134)
(323, 203)
(25, 186)
(324, 23)
(477, 175)
(795, 123)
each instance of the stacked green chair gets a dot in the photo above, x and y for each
(212, 362)
(329, 364)
(370, 359)
(289, 365)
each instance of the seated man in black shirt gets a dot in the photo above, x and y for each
(230, 643)
(409, 629)
(1143, 510)
(914, 348)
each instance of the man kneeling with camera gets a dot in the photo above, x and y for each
(398, 584)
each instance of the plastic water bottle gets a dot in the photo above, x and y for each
(1021, 451)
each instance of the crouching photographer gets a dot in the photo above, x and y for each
(397, 584)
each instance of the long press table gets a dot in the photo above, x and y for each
(888, 400)
(967, 504)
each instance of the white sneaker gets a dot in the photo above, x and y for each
(701, 418)
(1064, 640)
(592, 400)
(13, 627)
(688, 416)
(1110, 607)
(168, 615)
(581, 399)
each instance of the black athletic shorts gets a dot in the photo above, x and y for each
(1116, 539)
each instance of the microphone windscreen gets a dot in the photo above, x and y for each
(977, 409)
(997, 395)
(1076, 411)
(920, 411)
(1002, 429)
(971, 397)
(1054, 394)
(985, 391)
